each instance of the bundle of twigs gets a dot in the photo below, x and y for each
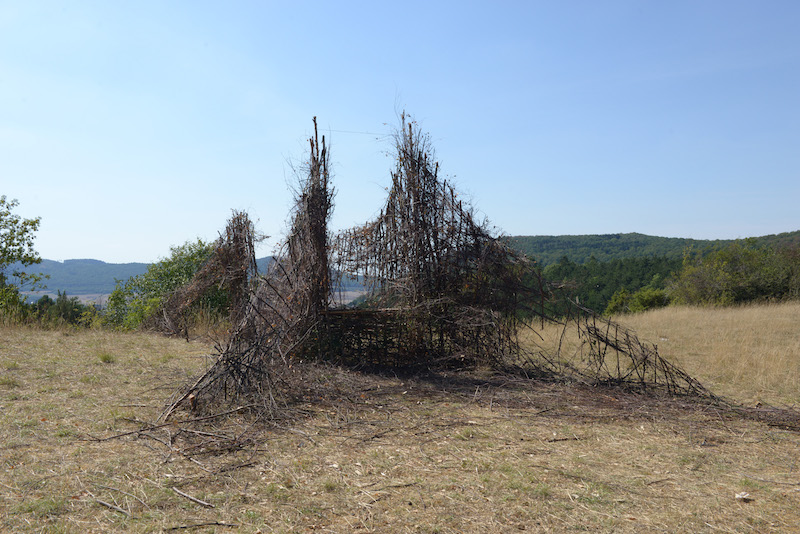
(280, 316)
(613, 354)
(456, 288)
(440, 289)
(231, 266)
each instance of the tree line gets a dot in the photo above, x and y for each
(548, 250)
(724, 274)
(739, 272)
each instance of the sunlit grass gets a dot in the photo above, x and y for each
(750, 353)
(399, 454)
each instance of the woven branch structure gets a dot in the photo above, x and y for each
(439, 285)
(440, 291)
(231, 265)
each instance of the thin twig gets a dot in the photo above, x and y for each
(113, 507)
(299, 432)
(124, 493)
(193, 499)
(751, 477)
(209, 434)
(553, 440)
(209, 524)
(171, 423)
(200, 465)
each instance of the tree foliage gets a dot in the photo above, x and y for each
(595, 284)
(64, 310)
(547, 250)
(745, 271)
(647, 298)
(16, 251)
(138, 298)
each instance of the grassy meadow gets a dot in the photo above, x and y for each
(444, 454)
(748, 353)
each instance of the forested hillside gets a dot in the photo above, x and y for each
(635, 271)
(547, 250)
(594, 283)
(85, 277)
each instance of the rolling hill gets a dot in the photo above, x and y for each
(84, 277)
(580, 248)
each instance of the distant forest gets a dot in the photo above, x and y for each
(547, 250)
(633, 271)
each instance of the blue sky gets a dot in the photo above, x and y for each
(133, 126)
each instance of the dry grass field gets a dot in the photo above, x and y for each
(749, 353)
(447, 454)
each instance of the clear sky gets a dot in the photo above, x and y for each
(133, 126)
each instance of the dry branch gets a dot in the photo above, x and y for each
(113, 507)
(193, 499)
(206, 524)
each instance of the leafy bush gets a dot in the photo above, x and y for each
(619, 302)
(647, 298)
(138, 298)
(741, 272)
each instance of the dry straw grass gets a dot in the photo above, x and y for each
(477, 453)
(748, 353)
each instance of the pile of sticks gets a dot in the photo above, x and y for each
(440, 290)
(230, 267)
(448, 287)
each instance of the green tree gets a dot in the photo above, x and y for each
(619, 303)
(744, 271)
(42, 306)
(138, 298)
(63, 310)
(16, 253)
(598, 285)
(67, 309)
(648, 298)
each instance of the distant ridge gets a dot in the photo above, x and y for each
(83, 277)
(581, 248)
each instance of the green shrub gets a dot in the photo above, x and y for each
(133, 301)
(741, 272)
(647, 298)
